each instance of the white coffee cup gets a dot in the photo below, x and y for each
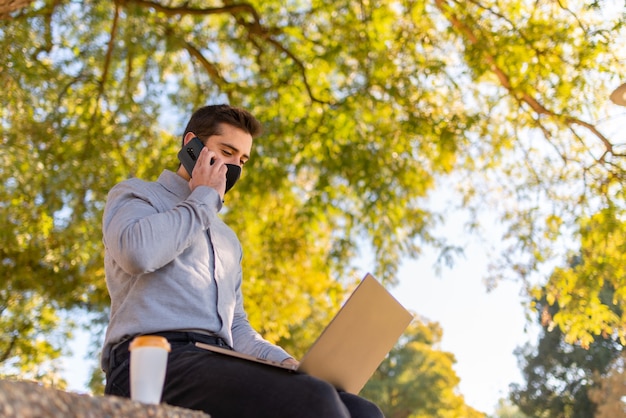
(148, 361)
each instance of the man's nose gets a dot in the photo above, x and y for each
(235, 160)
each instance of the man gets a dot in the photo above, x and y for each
(173, 268)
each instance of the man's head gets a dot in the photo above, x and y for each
(227, 134)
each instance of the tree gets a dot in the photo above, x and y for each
(506, 409)
(560, 168)
(8, 6)
(580, 289)
(32, 333)
(560, 376)
(416, 379)
(610, 394)
(366, 106)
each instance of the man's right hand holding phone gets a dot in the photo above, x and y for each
(209, 171)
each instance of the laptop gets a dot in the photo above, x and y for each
(356, 341)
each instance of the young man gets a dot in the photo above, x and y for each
(173, 268)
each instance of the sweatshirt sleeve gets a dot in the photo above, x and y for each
(141, 238)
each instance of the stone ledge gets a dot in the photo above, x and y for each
(19, 399)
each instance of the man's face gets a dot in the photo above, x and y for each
(232, 146)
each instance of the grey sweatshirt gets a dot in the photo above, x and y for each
(172, 264)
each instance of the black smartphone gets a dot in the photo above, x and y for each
(189, 154)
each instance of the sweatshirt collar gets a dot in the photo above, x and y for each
(174, 184)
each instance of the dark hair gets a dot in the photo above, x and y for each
(206, 121)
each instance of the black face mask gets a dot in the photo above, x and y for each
(232, 175)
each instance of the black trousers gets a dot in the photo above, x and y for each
(228, 387)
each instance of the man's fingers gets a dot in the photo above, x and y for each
(209, 171)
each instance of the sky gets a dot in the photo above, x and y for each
(482, 329)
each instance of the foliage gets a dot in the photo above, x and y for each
(299, 278)
(32, 339)
(580, 289)
(416, 379)
(365, 105)
(559, 375)
(506, 409)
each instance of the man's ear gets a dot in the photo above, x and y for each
(188, 137)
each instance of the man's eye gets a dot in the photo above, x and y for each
(227, 153)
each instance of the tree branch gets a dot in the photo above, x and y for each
(8, 6)
(210, 68)
(4, 356)
(185, 10)
(505, 81)
(253, 27)
(110, 47)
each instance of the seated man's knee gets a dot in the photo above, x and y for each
(323, 400)
(360, 407)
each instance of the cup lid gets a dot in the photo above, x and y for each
(149, 341)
